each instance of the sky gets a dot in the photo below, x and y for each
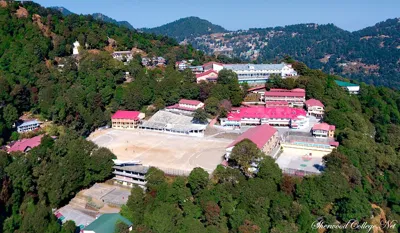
(350, 15)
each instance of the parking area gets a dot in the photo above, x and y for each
(161, 150)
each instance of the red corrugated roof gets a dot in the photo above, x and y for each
(24, 144)
(206, 73)
(256, 88)
(189, 102)
(283, 92)
(275, 103)
(323, 126)
(266, 112)
(314, 102)
(259, 135)
(176, 106)
(132, 115)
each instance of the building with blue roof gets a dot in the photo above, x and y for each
(28, 126)
(260, 73)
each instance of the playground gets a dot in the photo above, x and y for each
(300, 162)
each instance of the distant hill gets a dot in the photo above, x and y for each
(107, 19)
(63, 10)
(98, 16)
(370, 55)
(189, 27)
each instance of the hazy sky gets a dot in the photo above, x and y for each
(240, 14)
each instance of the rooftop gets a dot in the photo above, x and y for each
(345, 84)
(323, 126)
(254, 66)
(24, 144)
(133, 168)
(314, 102)
(29, 122)
(106, 223)
(259, 135)
(267, 112)
(189, 102)
(132, 115)
(206, 73)
(284, 92)
(167, 120)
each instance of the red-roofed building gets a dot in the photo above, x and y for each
(323, 130)
(315, 107)
(264, 136)
(259, 115)
(295, 97)
(126, 119)
(25, 145)
(276, 104)
(208, 76)
(213, 66)
(184, 105)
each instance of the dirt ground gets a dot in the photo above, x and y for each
(162, 150)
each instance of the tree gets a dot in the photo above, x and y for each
(121, 227)
(211, 106)
(227, 77)
(68, 227)
(355, 206)
(135, 207)
(154, 177)
(198, 180)
(10, 115)
(200, 116)
(268, 169)
(244, 153)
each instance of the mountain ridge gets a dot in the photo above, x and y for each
(369, 54)
(98, 16)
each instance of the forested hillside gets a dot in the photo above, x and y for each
(361, 181)
(98, 16)
(370, 55)
(189, 27)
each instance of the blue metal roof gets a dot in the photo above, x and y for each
(27, 123)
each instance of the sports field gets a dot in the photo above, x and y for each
(307, 160)
(161, 150)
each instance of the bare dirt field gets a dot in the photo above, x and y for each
(164, 151)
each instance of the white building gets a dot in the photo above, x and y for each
(130, 175)
(349, 87)
(75, 50)
(28, 126)
(123, 55)
(260, 73)
(315, 108)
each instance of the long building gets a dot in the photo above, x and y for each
(185, 106)
(126, 119)
(260, 73)
(276, 116)
(295, 97)
(130, 175)
(349, 87)
(28, 126)
(264, 136)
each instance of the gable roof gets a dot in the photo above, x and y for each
(29, 122)
(259, 135)
(314, 102)
(267, 112)
(24, 144)
(132, 115)
(206, 73)
(323, 126)
(106, 223)
(189, 102)
(284, 92)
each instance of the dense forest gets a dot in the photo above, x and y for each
(186, 28)
(361, 180)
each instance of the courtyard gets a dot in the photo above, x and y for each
(164, 151)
